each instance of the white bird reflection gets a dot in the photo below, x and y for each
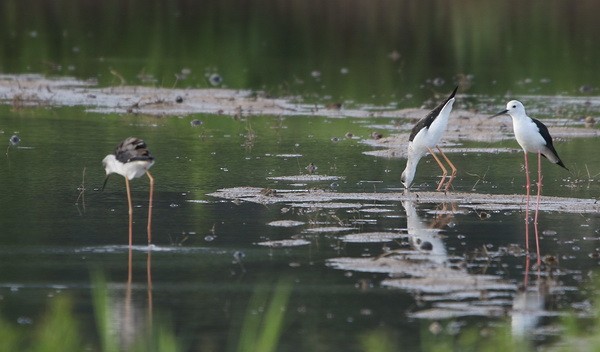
(450, 286)
(529, 303)
(130, 319)
(426, 237)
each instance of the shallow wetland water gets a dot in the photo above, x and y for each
(236, 210)
(279, 130)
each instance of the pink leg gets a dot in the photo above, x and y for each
(150, 207)
(130, 212)
(130, 268)
(451, 166)
(528, 188)
(444, 171)
(526, 278)
(127, 316)
(537, 208)
(149, 277)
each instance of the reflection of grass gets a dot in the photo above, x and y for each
(102, 311)
(59, 329)
(576, 336)
(378, 341)
(262, 328)
(261, 332)
(477, 339)
(158, 337)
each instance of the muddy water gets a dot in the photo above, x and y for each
(362, 256)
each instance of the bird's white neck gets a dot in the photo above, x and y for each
(111, 165)
(130, 170)
(408, 174)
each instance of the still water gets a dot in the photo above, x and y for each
(206, 264)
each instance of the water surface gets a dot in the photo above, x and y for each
(51, 243)
(206, 261)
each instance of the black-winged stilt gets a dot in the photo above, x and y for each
(533, 137)
(131, 159)
(424, 136)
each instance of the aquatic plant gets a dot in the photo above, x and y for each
(263, 324)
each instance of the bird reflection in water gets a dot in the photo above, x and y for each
(425, 237)
(531, 301)
(131, 320)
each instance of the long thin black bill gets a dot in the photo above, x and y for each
(500, 113)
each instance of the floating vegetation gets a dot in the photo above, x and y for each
(400, 151)
(376, 210)
(288, 155)
(329, 229)
(371, 237)
(306, 178)
(285, 223)
(443, 281)
(329, 205)
(446, 313)
(327, 199)
(393, 266)
(284, 243)
(199, 201)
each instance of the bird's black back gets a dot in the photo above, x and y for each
(428, 120)
(548, 138)
(132, 149)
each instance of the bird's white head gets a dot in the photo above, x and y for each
(514, 108)
(403, 179)
(407, 176)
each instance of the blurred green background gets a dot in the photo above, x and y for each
(353, 50)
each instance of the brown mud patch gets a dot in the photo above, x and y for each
(464, 125)
(328, 199)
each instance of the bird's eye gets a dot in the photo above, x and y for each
(514, 106)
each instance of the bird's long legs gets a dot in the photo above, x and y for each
(150, 207)
(131, 209)
(453, 175)
(528, 188)
(149, 288)
(149, 259)
(444, 171)
(537, 208)
(130, 212)
(128, 321)
(526, 277)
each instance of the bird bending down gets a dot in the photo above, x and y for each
(131, 159)
(426, 135)
(533, 137)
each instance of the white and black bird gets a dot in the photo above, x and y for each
(531, 134)
(533, 137)
(131, 159)
(426, 135)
